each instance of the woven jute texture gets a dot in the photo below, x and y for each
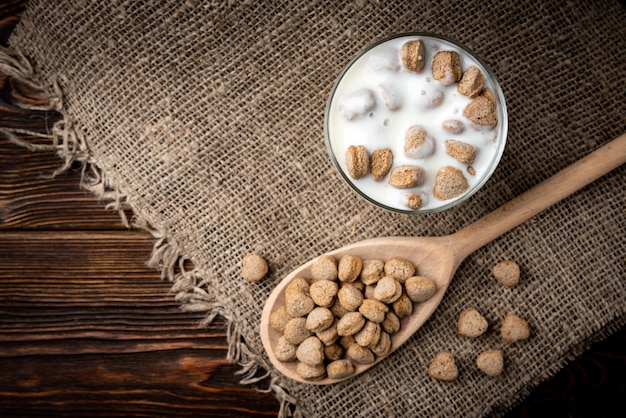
(206, 119)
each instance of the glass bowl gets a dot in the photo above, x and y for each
(376, 99)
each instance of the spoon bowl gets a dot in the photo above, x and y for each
(433, 258)
(439, 257)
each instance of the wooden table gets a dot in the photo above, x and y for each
(86, 329)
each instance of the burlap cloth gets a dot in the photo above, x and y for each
(206, 119)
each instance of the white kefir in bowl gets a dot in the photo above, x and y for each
(416, 123)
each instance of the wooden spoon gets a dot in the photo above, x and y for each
(439, 257)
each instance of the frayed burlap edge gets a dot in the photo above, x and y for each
(68, 140)
(190, 286)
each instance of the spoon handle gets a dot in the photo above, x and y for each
(540, 197)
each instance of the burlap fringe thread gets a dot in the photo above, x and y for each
(191, 288)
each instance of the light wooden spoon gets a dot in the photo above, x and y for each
(439, 257)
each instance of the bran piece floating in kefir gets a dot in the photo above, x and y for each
(406, 177)
(482, 112)
(472, 82)
(413, 55)
(380, 163)
(357, 104)
(417, 143)
(450, 183)
(447, 67)
(460, 151)
(357, 161)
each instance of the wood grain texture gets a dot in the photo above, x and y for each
(86, 329)
(31, 200)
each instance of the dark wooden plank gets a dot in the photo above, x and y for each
(86, 329)
(10, 12)
(30, 199)
(145, 384)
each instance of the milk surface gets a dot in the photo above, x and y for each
(417, 99)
